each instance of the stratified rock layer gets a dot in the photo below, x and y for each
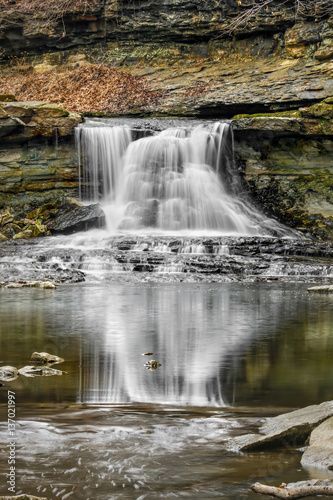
(205, 65)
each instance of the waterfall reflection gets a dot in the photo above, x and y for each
(192, 332)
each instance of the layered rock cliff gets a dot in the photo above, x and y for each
(207, 59)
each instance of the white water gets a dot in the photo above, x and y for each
(181, 179)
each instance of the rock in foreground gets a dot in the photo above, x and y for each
(320, 451)
(290, 428)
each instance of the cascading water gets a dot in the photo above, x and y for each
(180, 179)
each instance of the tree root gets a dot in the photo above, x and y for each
(296, 490)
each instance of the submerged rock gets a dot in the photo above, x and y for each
(290, 428)
(8, 373)
(45, 357)
(320, 451)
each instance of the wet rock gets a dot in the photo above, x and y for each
(8, 373)
(320, 451)
(78, 218)
(290, 428)
(45, 357)
(38, 371)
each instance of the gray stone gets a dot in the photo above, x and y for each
(78, 219)
(288, 429)
(45, 357)
(320, 451)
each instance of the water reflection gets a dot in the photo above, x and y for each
(218, 344)
(209, 340)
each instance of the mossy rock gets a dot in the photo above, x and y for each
(45, 211)
(283, 114)
(322, 110)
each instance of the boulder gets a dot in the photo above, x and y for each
(320, 451)
(78, 218)
(8, 373)
(287, 429)
(45, 357)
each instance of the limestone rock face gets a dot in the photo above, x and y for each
(184, 48)
(31, 119)
(37, 173)
(287, 163)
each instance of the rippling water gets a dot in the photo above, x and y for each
(230, 355)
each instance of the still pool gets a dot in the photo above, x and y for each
(108, 428)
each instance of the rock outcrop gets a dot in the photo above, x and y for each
(38, 162)
(206, 63)
(209, 63)
(287, 163)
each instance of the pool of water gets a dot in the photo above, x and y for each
(230, 354)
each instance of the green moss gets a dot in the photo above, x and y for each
(288, 114)
(323, 110)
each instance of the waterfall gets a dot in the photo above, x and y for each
(179, 179)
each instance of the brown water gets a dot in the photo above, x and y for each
(109, 428)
